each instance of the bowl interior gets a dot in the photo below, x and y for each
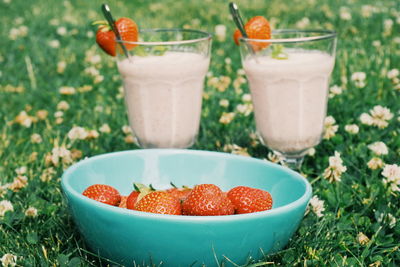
(159, 167)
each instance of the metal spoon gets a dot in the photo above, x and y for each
(107, 14)
(234, 9)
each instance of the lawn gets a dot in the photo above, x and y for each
(53, 77)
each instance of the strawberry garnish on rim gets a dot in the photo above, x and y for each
(256, 28)
(106, 38)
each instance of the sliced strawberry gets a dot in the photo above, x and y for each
(159, 202)
(247, 200)
(103, 193)
(207, 200)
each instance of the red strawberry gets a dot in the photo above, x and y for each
(105, 37)
(247, 199)
(159, 202)
(207, 200)
(179, 193)
(122, 204)
(103, 193)
(256, 28)
(132, 199)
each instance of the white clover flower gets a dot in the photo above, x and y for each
(61, 65)
(330, 127)
(303, 23)
(31, 212)
(126, 129)
(21, 170)
(376, 43)
(240, 72)
(36, 138)
(245, 109)
(362, 238)
(58, 114)
(335, 90)
(375, 163)
(335, 169)
(392, 176)
(379, 148)
(67, 90)
(63, 105)
(224, 103)
(5, 206)
(393, 73)
(92, 134)
(24, 119)
(220, 32)
(8, 260)
(61, 30)
(54, 43)
(359, 79)
(226, 117)
(380, 116)
(311, 152)
(345, 13)
(317, 206)
(105, 128)
(365, 118)
(352, 128)
(246, 98)
(366, 11)
(388, 24)
(60, 153)
(228, 61)
(77, 133)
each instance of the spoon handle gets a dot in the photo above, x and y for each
(237, 18)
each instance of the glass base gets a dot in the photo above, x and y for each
(292, 163)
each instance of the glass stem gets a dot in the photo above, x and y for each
(293, 163)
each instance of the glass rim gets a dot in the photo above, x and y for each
(324, 34)
(206, 36)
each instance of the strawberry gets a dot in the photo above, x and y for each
(103, 193)
(122, 204)
(179, 193)
(106, 38)
(246, 199)
(132, 199)
(256, 28)
(159, 202)
(207, 200)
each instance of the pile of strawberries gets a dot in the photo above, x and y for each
(202, 200)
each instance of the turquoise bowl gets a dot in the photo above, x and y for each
(128, 237)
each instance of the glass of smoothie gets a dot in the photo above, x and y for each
(289, 78)
(163, 78)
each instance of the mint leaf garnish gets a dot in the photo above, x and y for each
(278, 52)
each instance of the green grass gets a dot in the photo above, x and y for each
(352, 205)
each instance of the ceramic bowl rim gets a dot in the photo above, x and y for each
(67, 188)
